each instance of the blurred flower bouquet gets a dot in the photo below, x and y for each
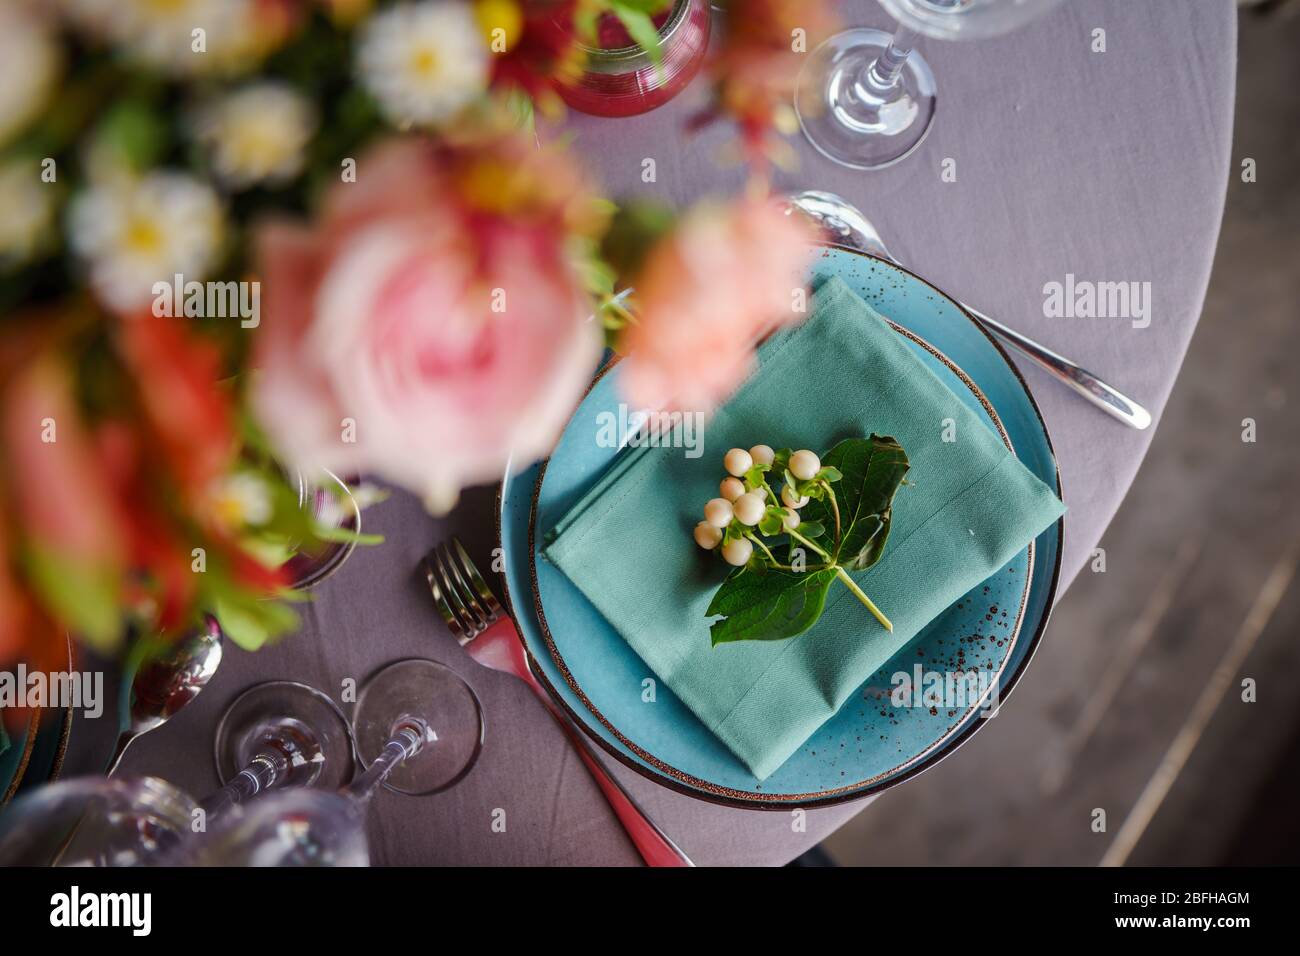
(246, 238)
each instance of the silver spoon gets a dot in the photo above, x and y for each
(845, 225)
(165, 684)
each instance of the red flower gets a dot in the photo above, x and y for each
(188, 409)
(545, 53)
(16, 611)
(104, 497)
(756, 67)
(52, 468)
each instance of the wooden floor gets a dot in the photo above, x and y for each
(1134, 703)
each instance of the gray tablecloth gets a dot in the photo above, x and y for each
(1107, 166)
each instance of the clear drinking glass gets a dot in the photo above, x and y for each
(866, 99)
(94, 821)
(293, 827)
(419, 730)
(331, 503)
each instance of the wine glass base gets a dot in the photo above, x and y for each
(846, 120)
(297, 827)
(317, 735)
(435, 695)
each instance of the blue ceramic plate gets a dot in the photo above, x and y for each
(868, 745)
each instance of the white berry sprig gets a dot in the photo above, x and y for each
(748, 520)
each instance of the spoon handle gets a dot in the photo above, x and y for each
(1106, 397)
(123, 742)
(843, 224)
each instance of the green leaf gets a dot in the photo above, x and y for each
(754, 477)
(812, 488)
(650, 7)
(345, 536)
(519, 106)
(597, 277)
(811, 529)
(772, 522)
(829, 473)
(269, 550)
(250, 623)
(869, 536)
(640, 28)
(768, 607)
(134, 131)
(82, 596)
(873, 468)
(633, 232)
(585, 18)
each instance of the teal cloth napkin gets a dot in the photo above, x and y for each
(969, 508)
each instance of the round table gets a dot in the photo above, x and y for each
(1105, 166)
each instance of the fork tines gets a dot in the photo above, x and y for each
(464, 600)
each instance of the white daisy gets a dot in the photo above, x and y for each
(242, 500)
(424, 62)
(162, 33)
(257, 134)
(27, 224)
(30, 62)
(133, 233)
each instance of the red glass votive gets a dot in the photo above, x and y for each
(622, 80)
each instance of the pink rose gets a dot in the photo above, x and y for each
(430, 323)
(709, 291)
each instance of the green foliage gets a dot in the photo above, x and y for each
(79, 593)
(639, 25)
(251, 622)
(768, 606)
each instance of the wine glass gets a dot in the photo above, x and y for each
(330, 502)
(866, 99)
(419, 730)
(418, 696)
(293, 827)
(279, 734)
(95, 821)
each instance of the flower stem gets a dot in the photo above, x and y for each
(835, 509)
(797, 536)
(861, 596)
(766, 550)
(621, 316)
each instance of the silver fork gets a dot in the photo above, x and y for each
(489, 635)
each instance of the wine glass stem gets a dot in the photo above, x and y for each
(266, 770)
(882, 74)
(409, 735)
